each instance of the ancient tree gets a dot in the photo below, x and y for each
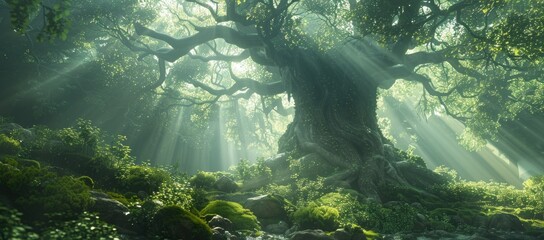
(331, 57)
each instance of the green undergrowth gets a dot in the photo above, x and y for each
(48, 181)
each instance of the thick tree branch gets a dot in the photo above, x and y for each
(415, 59)
(221, 57)
(182, 46)
(262, 89)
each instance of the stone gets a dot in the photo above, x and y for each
(277, 228)
(110, 210)
(341, 234)
(174, 222)
(505, 222)
(310, 234)
(267, 207)
(354, 234)
(220, 222)
(226, 184)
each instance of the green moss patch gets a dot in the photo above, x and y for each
(173, 222)
(242, 219)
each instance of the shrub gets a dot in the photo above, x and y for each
(204, 180)
(143, 178)
(246, 171)
(350, 209)
(173, 222)
(59, 195)
(242, 219)
(9, 145)
(141, 215)
(448, 173)
(175, 193)
(317, 217)
(21, 181)
(534, 190)
(39, 191)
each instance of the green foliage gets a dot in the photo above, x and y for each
(246, 171)
(87, 226)
(242, 219)
(492, 198)
(9, 145)
(448, 173)
(57, 21)
(21, 12)
(317, 217)
(39, 191)
(369, 215)
(398, 218)
(173, 222)
(350, 208)
(141, 214)
(83, 138)
(175, 193)
(59, 195)
(204, 180)
(534, 189)
(11, 227)
(412, 158)
(56, 17)
(306, 190)
(143, 178)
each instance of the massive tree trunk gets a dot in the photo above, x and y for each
(335, 118)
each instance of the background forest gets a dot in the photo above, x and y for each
(280, 119)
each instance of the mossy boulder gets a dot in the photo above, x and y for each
(242, 219)
(9, 146)
(269, 209)
(174, 222)
(317, 217)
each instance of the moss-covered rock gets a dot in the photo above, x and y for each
(173, 222)
(242, 219)
(317, 217)
(9, 145)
